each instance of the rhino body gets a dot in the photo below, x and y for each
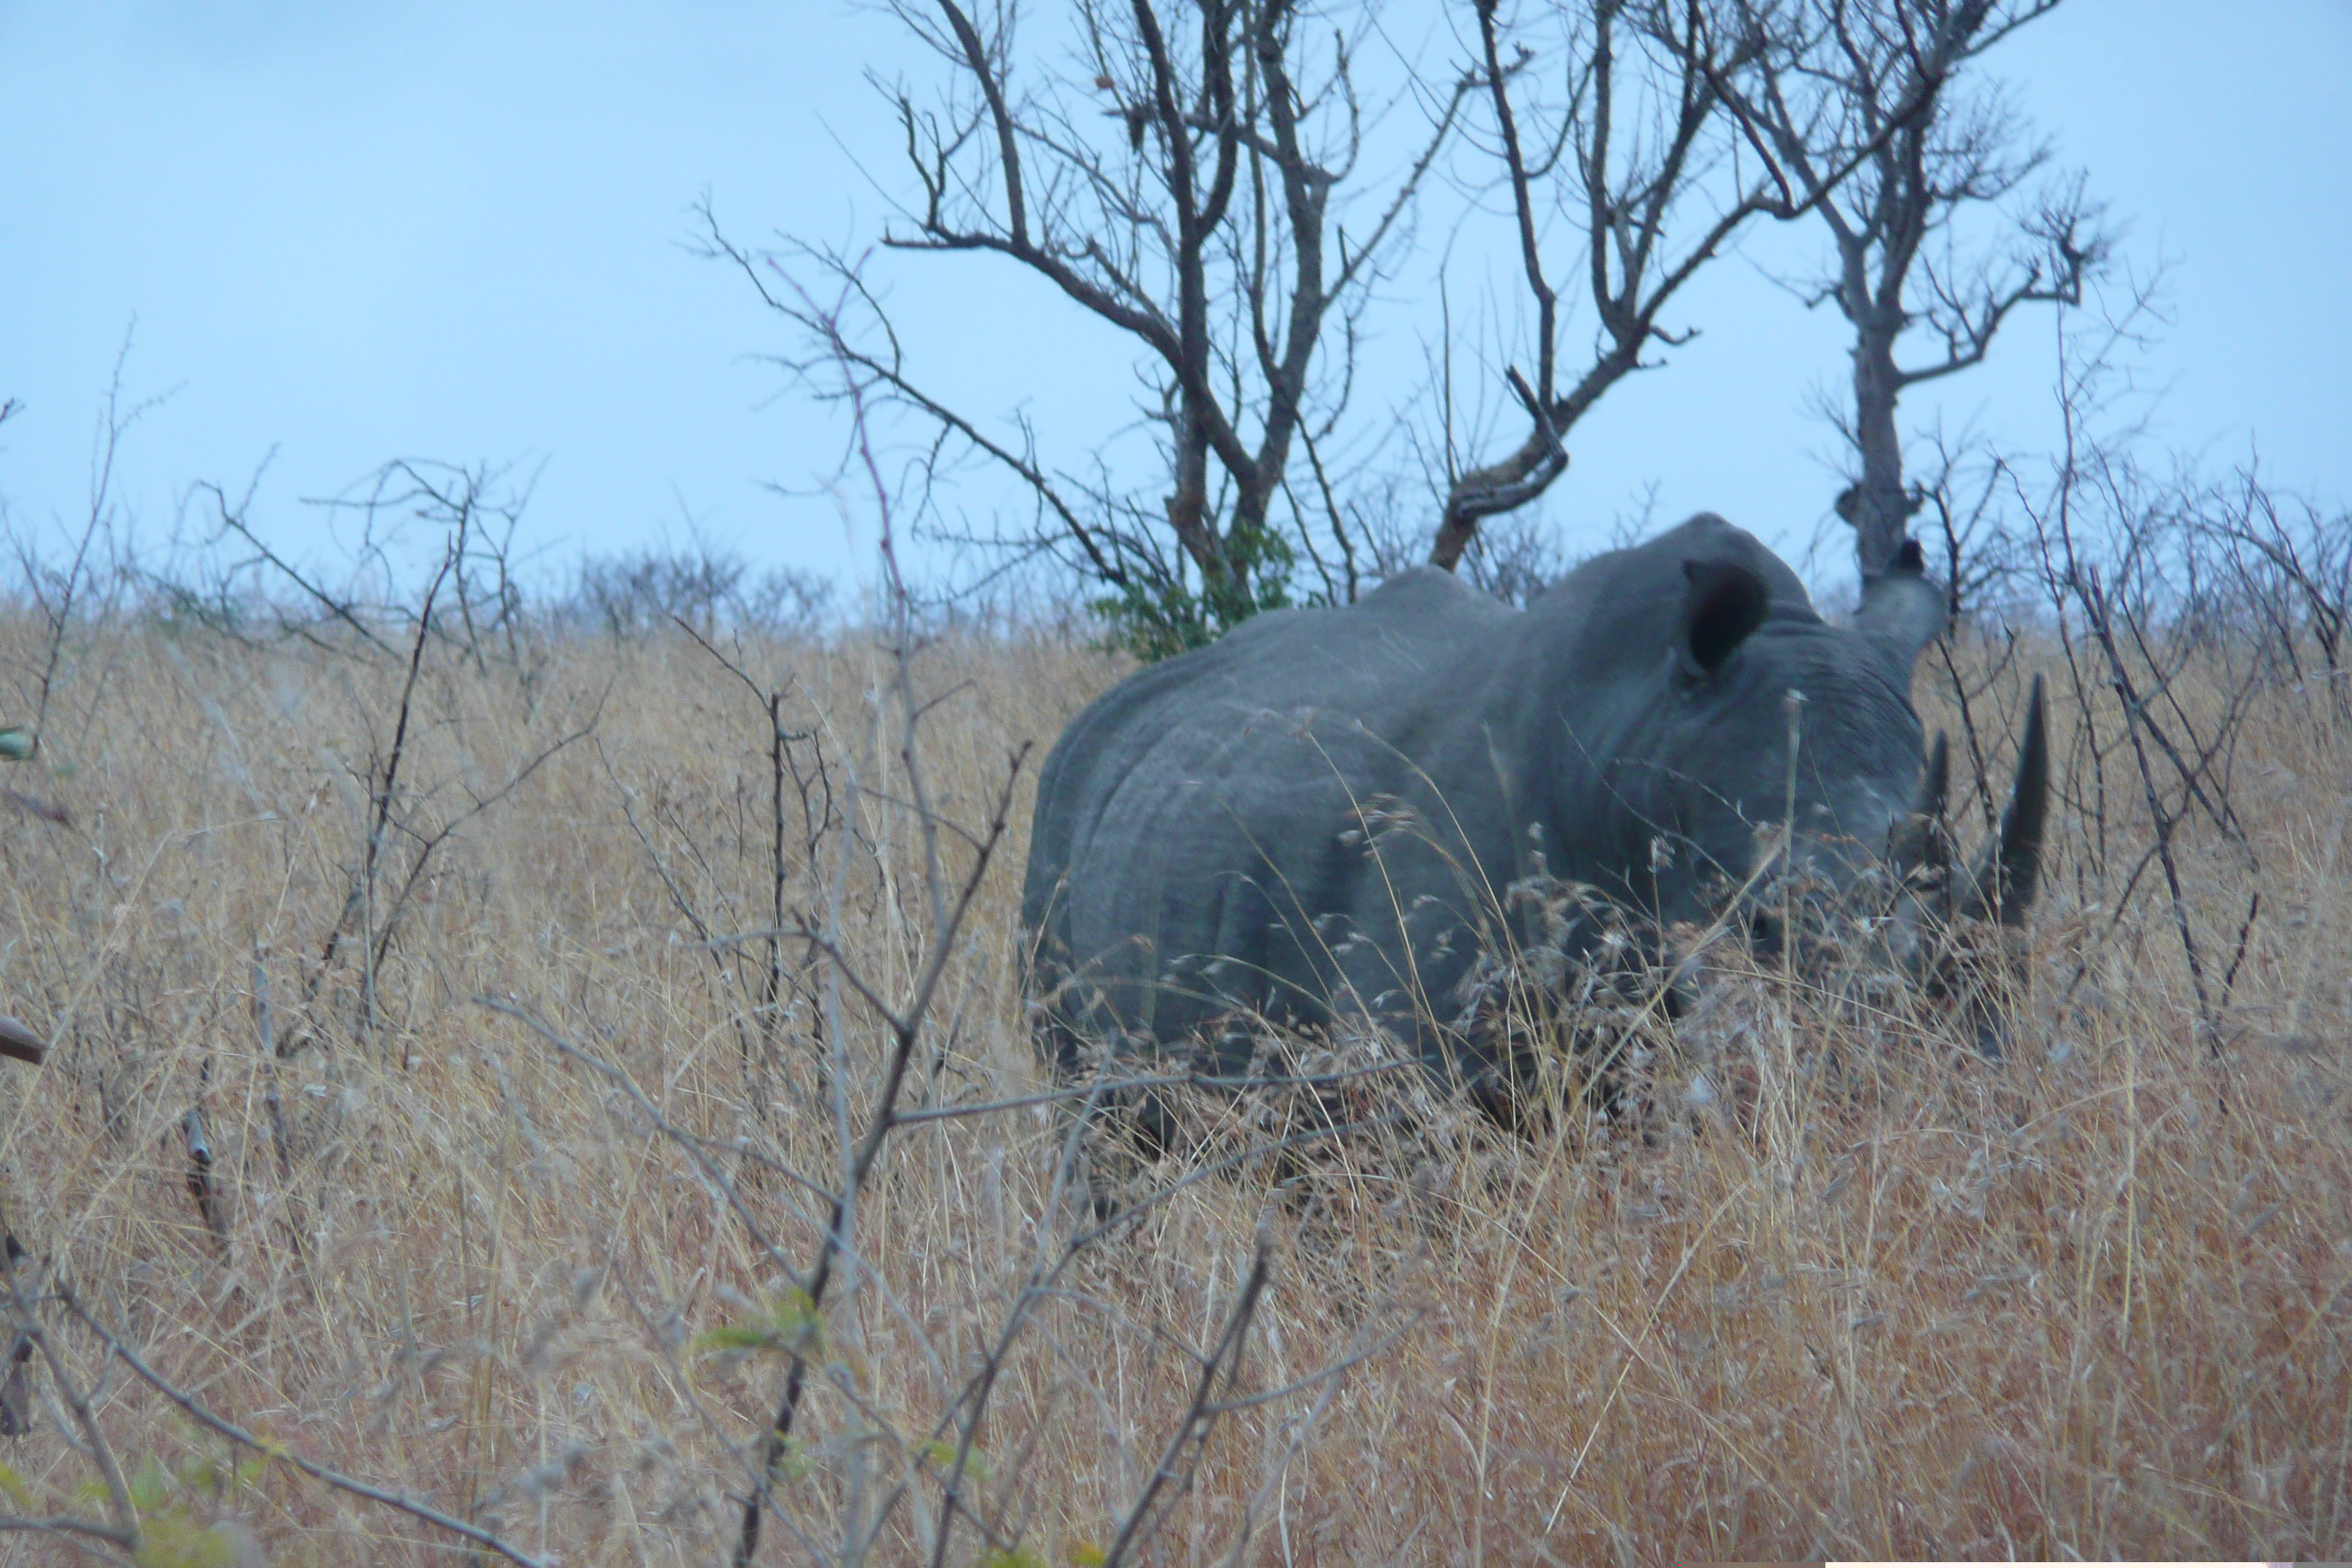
(1319, 818)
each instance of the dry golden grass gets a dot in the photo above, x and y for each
(2064, 1305)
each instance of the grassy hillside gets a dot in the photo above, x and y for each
(518, 1141)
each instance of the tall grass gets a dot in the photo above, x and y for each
(2090, 1300)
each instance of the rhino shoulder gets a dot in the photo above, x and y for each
(1430, 592)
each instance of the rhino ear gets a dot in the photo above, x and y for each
(1723, 603)
(1902, 612)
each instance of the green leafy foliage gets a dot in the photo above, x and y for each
(1156, 613)
(791, 1326)
(179, 1509)
(175, 1541)
(941, 1453)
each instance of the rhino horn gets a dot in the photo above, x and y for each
(2009, 871)
(1918, 842)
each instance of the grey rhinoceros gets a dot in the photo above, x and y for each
(1318, 819)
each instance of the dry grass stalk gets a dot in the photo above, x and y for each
(1860, 1294)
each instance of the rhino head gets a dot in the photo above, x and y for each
(1934, 899)
(1799, 785)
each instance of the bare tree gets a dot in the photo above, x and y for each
(1192, 174)
(1633, 149)
(1652, 153)
(1204, 192)
(1864, 104)
(1189, 178)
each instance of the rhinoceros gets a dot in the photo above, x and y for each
(1318, 819)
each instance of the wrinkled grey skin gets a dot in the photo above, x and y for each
(1317, 817)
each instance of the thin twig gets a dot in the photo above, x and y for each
(1192, 1434)
(204, 1417)
(77, 1400)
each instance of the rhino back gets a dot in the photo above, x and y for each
(1192, 846)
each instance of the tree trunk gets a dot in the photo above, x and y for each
(1876, 504)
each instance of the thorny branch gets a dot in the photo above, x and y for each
(1222, 1364)
(1208, 228)
(205, 1417)
(1859, 106)
(906, 1026)
(1670, 60)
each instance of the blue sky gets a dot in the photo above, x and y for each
(350, 233)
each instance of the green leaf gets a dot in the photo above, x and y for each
(174, 1541)
(942, 1453)
(150, 1487)
(792, 1326)
(13, 1485)
(16, 743)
